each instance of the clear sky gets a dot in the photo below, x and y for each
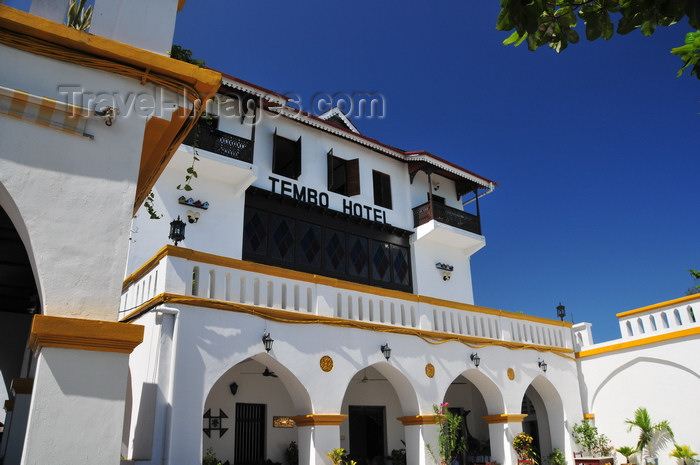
(596, 149)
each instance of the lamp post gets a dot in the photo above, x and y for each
(561, 311)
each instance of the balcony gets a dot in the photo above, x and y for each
(180, 276)
(447, 215)
(204, 137)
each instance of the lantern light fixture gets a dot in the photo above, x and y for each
(543, 365)
(267, 341)
(561, 311)
(386, 351)
(177, 230)
(475, 359)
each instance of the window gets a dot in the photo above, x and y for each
(382, 189)
(343, 175)
(286, 157)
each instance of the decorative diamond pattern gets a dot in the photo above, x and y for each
(255, 232)
(359, 258)
(335, 250)
(380, 262)
(310, 244)
(400, 264)
(283, 239)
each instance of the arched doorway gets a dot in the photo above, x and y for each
(544, 419)
(19, 301)
(247, 413)
(465, 399)
(375, 397)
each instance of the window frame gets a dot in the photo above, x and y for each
(291, 158)
(347, 181)
(381, 183)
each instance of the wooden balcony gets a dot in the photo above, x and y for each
(447, 215)
(207, 138)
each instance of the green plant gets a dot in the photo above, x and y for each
(695, 274)
(78, 16)
(591, 442)
(522, 443)
(292, 454)
(339, 457)
(398, 456)
(626, 452)
(556, 458)
(648, 431)
(210, 458)
(451, 442)
(683, 453)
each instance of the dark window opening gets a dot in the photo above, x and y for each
(286, 157)
(382, 189)
(343, 175)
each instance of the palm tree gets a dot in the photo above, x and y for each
(684, 453)
(649, 431)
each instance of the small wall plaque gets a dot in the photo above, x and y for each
(282, 422)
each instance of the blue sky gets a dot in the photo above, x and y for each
(595, 149)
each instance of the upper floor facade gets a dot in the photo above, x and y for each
(276, 186)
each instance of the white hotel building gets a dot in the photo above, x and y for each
(321, 293)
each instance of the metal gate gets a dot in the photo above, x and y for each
(250, 434)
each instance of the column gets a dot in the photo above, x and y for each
(318, 435)
(419, 431)
(77, 406)
(502, 429)
(21, 390)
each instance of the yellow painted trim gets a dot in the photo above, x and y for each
(9, 405)
(640, 342)
(418, 420)
(668, 303)
(285, 316)
(217, 260)
(22, 385)
(180, 4)
(82, 334)
(37, 35)
(505, 418)
(319, 420)
(589, 416)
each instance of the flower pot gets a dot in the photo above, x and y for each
(595, 461)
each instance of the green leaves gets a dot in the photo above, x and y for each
(78, 16)
(553, 22)
(690, 54)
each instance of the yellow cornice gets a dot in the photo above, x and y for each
(668, 303)
(505, 418)
(180, 4)
(82, 334)
(33, 34)
(217, 260)
(22, 385)
(318, 420)
(640, 342)
(285, 316)
(589, 416)
(418, 420)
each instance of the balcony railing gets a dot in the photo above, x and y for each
(447, 215)
(205, 279)
(206, 138)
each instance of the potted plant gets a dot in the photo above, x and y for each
(626, 452)
(649, 431)
(451, 442)
(522, 443)
(292, 453)
(684, 454)
(595, 447)
(556, 458)
(339, 457)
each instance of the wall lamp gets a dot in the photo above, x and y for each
(543, 365)
(386, 351)
(267, 340)
(561, 311)
(475, 359)
(234, 388)
(192, 217)
(436, 186)
(177, 230)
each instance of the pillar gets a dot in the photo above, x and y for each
(318, 435)
(502, 429)
(77, 406)
(419, 431)
(21, 390)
